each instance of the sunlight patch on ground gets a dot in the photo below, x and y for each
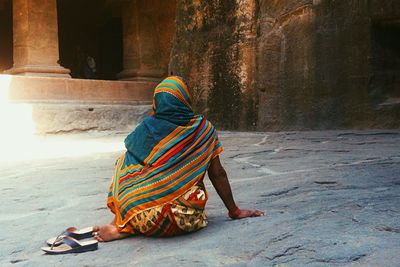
(62, 146)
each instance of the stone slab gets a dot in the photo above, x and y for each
(65, 117)
(332, 199)
(72, 117)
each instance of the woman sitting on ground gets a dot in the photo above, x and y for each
(157, 187)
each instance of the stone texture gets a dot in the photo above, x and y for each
(293, 64)
(55, 118)
(35, 35)
(31, 89)
(148, 28)
(213, 50)
(59, 105)
(332, 199)
(286, 64)
(255, 65)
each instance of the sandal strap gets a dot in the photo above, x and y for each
(72, 242)
(57, 240)
(64, 234)
(67, 240)
(71, 232)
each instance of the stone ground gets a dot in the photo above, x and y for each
(332, 197)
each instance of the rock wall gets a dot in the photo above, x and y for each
(214, 50)
(288, 65)
(285, 64)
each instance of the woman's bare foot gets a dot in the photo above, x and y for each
(108, 232)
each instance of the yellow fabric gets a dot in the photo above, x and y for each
(183, 215)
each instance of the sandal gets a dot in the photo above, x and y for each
(71, 245)
(72, 232)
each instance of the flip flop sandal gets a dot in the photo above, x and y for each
(72, 232)
(71, 245)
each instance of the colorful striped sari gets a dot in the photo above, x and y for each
(167, 156)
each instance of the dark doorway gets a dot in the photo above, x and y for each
(385, 79)
(6, 35)
(90, 28)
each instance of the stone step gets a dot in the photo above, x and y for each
(64, 117)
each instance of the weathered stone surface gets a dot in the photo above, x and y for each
(56, 105)
(148, 32)
(28, 89)
(64, 117)
(256, 65)
(285, 63)
(67, 117)
(35, 35)
(332, 200)
(213, 50)
(291, 64)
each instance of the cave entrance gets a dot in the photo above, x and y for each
(385, 82)
(6, 35)
(90, 28)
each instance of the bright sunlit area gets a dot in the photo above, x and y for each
(19, 142)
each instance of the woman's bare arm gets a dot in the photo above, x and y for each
(219, 179)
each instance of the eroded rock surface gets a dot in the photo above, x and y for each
(293, 64)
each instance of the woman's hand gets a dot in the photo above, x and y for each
(242, 213)
(220, 181)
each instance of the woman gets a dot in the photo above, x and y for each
(157, 188)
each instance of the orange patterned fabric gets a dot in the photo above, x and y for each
(167, 154)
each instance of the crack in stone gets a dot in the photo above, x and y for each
(325, 182)
(273, 240)
(75, 130)
(368, 134)
(288, 251)
(333, 166)
(280, 238)
(278, 193)
(17, 260)
(251, 153)
(342, 260)
(361, 143)
(90, 194)
(316, 150)
(388, 229)
(16, 251)
(312, 216)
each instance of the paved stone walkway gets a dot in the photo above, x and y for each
(332, 197)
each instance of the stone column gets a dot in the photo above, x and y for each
(35, 31)
(141, 47)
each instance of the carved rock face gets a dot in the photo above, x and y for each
(272, 65)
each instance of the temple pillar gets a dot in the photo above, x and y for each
(35, 34)
(141, 44)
